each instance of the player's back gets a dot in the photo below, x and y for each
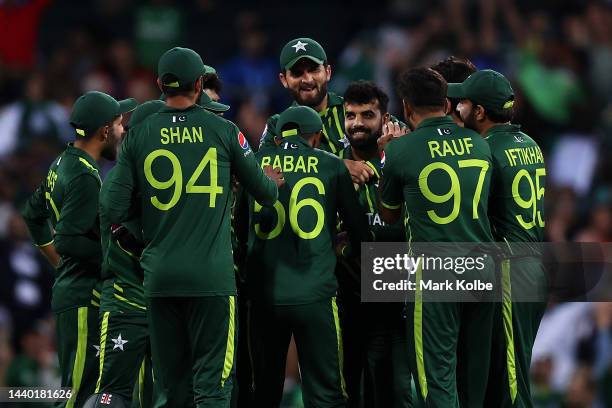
(445, 173)
(291, 246)
(182, 160)
(517, 188)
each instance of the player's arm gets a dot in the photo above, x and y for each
(353, 218)
(76, 231)
(36, 218)
(269, 134)
(255, 182)
(117, 204)
(389, 198)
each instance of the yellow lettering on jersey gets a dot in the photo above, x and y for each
(186, 136)
(524, 156)
(288, 163)
(164, 136)
(312, 164)
(197, 134)
(265, 161)
(456, 147)
(300, 165)
(277, 162)
(175, 133)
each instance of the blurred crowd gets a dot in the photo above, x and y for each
(557, 54)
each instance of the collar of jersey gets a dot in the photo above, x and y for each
(437, 121)
(170, 109)
(374, 162)
(297, 139)
(333, 100)
(75, 151)
(511, 128)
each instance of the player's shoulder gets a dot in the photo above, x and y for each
(327, 159)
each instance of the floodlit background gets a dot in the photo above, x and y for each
(558, 55)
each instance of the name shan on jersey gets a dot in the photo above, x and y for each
(292, 164)
(181, 135)
(522, 156)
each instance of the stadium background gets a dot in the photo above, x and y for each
(558, 55)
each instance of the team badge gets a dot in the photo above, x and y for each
(106, 399)
(382, 159)
(244, 143)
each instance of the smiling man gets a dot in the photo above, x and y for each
(305, 73)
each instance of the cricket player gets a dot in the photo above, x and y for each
(454, 70)
(517, 218)
(305, 73)
(68, 197)
(124, 332)
(375, 335)
(291, 261)
(175, 167)
(440, 175)
(211, 83)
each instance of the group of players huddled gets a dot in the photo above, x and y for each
(182, 277)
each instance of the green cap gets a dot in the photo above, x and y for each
(145, 110)
(487, 88)
(95, 109)
(207, 103)
(209, 70)
(300, 48)
(306, 119)
(184, 64)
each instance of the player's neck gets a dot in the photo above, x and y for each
(420, 117)
(488, 125)
(180, 102)
(88, 148)
(323, 105)
(364, 154)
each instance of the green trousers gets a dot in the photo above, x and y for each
(387, 377)
(192, 343)
(318, 338)
(515, 327)
(78, 337)
(124, 349)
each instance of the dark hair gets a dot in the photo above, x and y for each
(212, 81)
(182, 90)
(423, 89)
(363, 92)
(455, 70)
(506, 115)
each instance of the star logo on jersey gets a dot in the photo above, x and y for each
(119, 342)
(300, 46)
(106, 399)
(97, 350)
(244, 143)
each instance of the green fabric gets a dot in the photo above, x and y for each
(316, 331)
(305, 118)
(207, 103)
(145, 110)
(184, 64)
(94, 109)
(487, 88)
(121, 358)
(291, 255)
(300, 48)
(196, 351)
(516, 202)
(178, 163)
(78, 336)
(445, 188)
(68, 197)
(333, 139)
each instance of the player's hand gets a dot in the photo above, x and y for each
(391, 130)
(275, 174)
(126, 240)
(341, 242)
(360, 172)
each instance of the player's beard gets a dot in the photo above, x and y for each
(313, 101)
(469, 121)
(111, 147)
(367, 143)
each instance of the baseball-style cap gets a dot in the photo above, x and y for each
(144, 110)
(487, 88)
(95, 109)
(306, 119)
(209, 70)
(207, 103)
(300, 48)
(180, 66)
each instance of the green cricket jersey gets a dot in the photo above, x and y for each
(68, 197)
(333, 139)
(121, 271)
(442, 173)
(177, 165)
(291, 255)
(367, 199)
(516, 206)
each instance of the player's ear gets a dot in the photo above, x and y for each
(386, 118)
(407, 110)
(159, 84)
(328, 72)
(447, 107)
(316, 139)
(480, 113)
(283, 79)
